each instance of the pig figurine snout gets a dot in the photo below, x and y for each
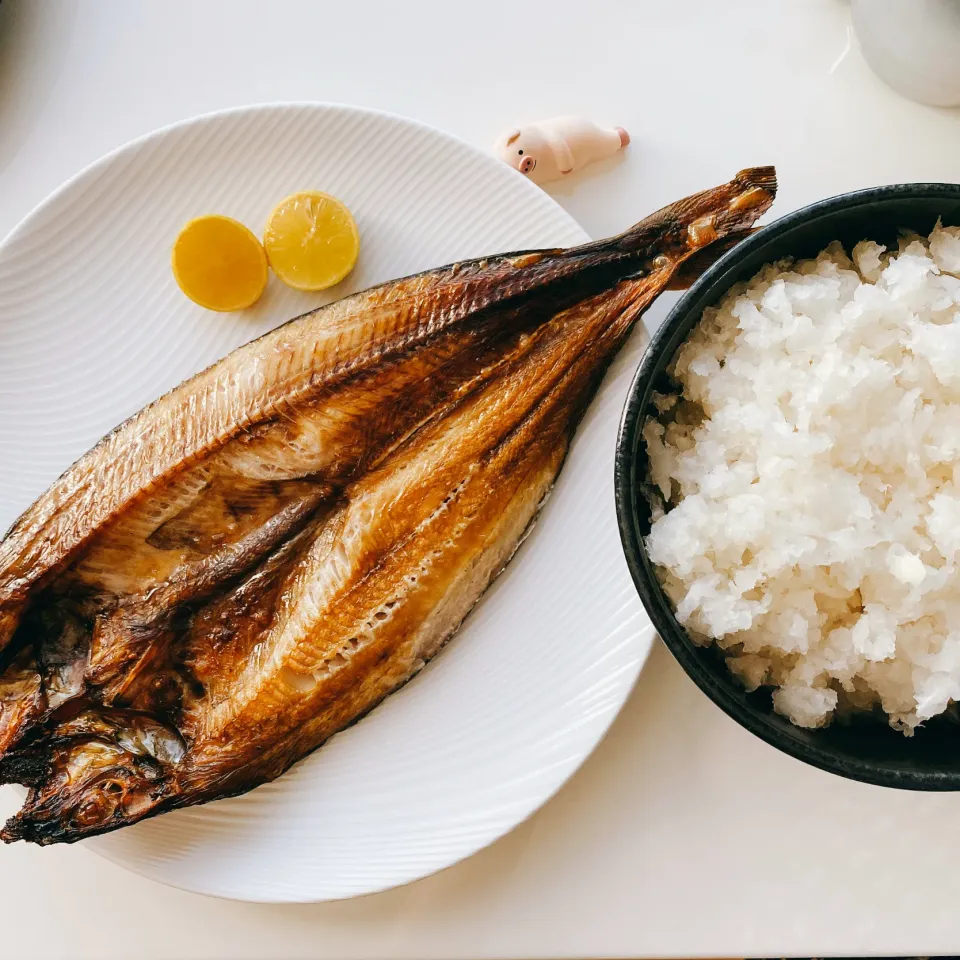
(526, 164)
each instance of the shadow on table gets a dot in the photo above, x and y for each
(33, 38)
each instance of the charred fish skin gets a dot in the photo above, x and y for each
(408, 434)
(482, 476)
(254, 389)
(423, 349)
(256, 386)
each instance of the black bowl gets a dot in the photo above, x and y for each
(866, 748)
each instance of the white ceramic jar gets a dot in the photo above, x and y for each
(913, 46)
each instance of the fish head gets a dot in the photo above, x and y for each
(100, 776)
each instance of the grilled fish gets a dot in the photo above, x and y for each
(255, 560)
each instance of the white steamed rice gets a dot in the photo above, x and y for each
(811, 471)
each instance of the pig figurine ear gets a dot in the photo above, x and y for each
(504, 144)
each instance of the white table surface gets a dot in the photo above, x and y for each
(683, 835)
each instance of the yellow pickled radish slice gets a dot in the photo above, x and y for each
(219, 263)
(311, 240)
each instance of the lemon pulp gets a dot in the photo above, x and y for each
(311, 240)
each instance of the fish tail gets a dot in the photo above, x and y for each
(763, 177)
(684, 228)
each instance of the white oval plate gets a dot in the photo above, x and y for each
(92, 327)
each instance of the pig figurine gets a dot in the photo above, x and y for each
(553, 148)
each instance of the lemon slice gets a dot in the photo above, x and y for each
(219, 263)
(311, 240)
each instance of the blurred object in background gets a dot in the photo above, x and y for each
(913, 46)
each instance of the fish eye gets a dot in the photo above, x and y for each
(520, 153)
